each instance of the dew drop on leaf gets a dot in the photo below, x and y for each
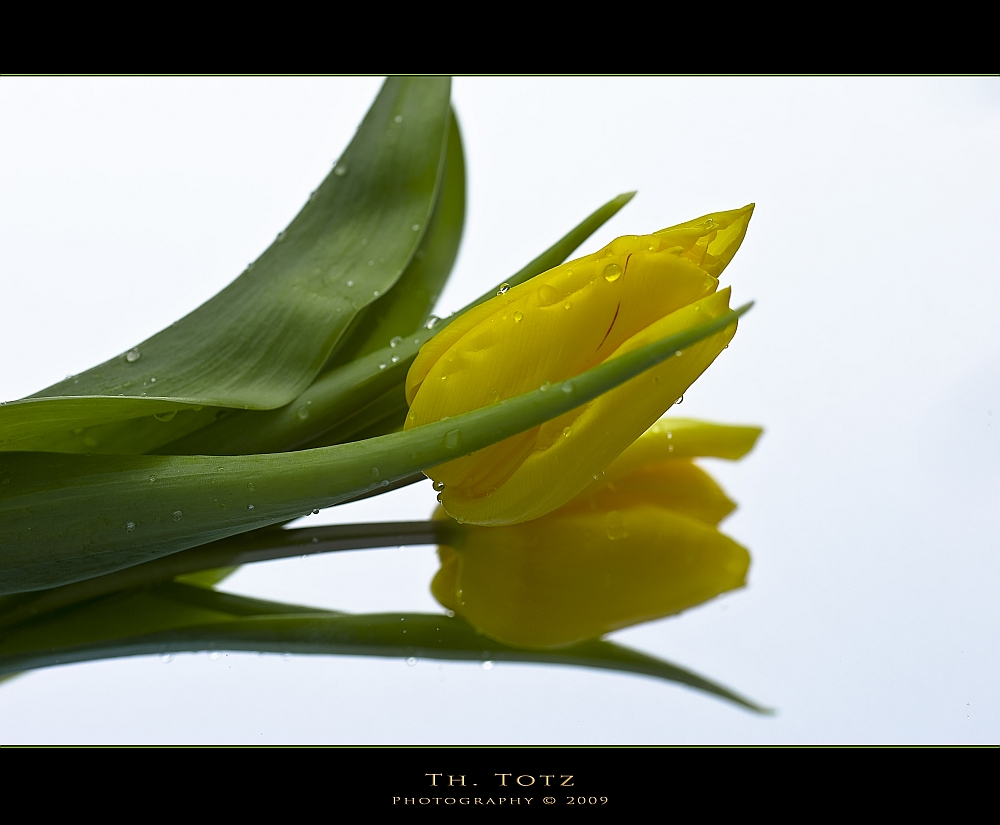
(133, 355)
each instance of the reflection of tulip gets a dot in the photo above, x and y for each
(638, 544)
(634, 291)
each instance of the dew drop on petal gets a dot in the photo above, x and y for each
(612, 272)
(503, 289)
(614, 526)
(680, 400)
(547, 294)
(517, 316)
(567, 431)
(438, 486)
(567, 305)
(487, 665)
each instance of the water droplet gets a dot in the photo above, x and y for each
(382, 365)
(566, 432)
(451, 439)
(547, 294)
(415, 227)
(612, 272)
(350, 283)
(490, 491)
(315, 512)
(395, 342)
(166, 416)
(132, 356)
(249, 484)
(340, 171)
(411, 661)
(709, 223)
(315, 540)
(412, 416)
(302, 413)
(670, 448)
(398, 118)
(152, 479)
(487, 665)
(614, 525)
(494, 397)
(176, 515)
(166, 658)
(281, 236)
(385, 483)
(312, 195)
(545, 386)
(152, 380)
(670, 435)
(567, 387)
(517, 317)
(249, 506)
(567, 305)
(129, 526)
(214, 655)
(652, 247)
(375, 471)
(504, 288)
(431, 322)
(678, 354)
(680, 400)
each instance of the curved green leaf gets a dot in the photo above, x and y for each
(262, 340)
(321, 415)
(64, 518)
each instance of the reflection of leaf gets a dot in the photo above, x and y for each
(117, 511)
(261, 341)
(172, 618)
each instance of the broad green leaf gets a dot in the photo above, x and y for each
(408, 304)
(65, 517)
(321, 415)
(261, 341)
(175, 618)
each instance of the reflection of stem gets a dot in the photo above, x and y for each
(259, 545)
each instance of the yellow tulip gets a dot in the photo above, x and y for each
(638, 544)
(636, 290)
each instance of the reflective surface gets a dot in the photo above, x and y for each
(871, 359)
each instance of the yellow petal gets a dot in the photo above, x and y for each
(536, 472)
(711, 241)
(675, 485)
(575, 576)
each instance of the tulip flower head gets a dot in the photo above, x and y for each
(638, 289)
(639, 543)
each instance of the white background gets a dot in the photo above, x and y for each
(872, 359)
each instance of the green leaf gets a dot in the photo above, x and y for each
(175, 618)
(262, 340)
(64, 518)
(322, 414)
